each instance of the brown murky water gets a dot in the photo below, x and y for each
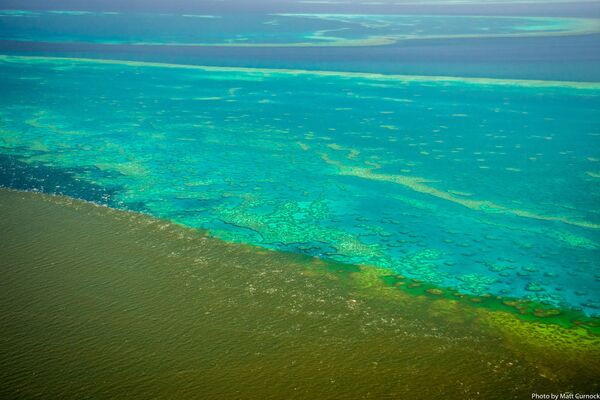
(98, 303)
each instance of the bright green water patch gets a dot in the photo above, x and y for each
(103, 303)
(524, 309)
(304, 30)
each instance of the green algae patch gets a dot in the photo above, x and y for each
(369, 282)
(536, 334)
(381, 283)
(557, 329)
(524, 310)
(552, 338)
(435, 292)
(554, 349)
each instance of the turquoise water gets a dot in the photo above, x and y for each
(484, 185)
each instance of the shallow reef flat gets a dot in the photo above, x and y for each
(271, 30)
(481, 186)
(103, 303)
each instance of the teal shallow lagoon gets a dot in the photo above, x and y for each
(487, 186)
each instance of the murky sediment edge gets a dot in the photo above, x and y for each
(358, 312)
(527, 318)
